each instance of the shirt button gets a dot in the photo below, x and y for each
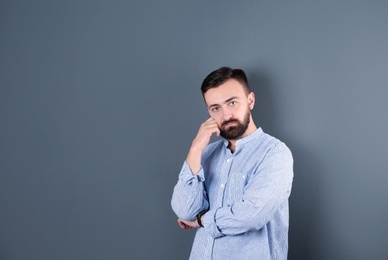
(228, 160)
(222, 186)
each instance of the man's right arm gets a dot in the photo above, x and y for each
(199, 143)
(189, 195)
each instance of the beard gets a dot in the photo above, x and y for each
(236, 131)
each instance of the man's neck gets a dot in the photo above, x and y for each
(232, 143)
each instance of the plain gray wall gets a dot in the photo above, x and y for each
(100, 100)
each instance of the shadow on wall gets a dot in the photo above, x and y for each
(305, 200)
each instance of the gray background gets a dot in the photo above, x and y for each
(100, 100)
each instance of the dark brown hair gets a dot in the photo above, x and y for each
(221, 75)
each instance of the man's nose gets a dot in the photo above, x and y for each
(227, 115)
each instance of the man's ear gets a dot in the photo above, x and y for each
(251, 100)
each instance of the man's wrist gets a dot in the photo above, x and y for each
(200, 217)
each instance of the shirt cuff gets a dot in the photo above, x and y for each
(187, 176)
(209, 223)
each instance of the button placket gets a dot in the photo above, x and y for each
(222, 186)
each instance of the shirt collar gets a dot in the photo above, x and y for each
(241, 142)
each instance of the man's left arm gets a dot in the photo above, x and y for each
(267, 190)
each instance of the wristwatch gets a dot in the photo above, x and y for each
(199, 215)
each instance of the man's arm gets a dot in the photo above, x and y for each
(200, 142)
(267, 191)
(189, 196)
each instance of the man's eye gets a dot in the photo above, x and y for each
(232, 103)
(215, 109)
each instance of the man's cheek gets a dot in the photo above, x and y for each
(217, 119)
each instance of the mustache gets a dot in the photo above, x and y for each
(230, 121)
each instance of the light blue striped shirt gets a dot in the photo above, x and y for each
(246, 193)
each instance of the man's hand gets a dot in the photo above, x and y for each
(206, 130)
(200, 142)
(185, 224)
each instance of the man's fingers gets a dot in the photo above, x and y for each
(207, 129)
(183, 225)
(211, 125)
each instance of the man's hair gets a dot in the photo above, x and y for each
(221, 75)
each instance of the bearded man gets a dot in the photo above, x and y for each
(234, 191)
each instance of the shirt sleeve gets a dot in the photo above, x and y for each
(189, 196)
(265, 193)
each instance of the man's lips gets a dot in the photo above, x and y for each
(230, 123)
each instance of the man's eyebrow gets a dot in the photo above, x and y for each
(226, 101)
(230, 99)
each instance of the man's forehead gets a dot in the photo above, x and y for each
(218, 95)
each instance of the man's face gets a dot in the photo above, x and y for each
(230, 106)
(234, 129)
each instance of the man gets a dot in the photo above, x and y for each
(234, 191)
